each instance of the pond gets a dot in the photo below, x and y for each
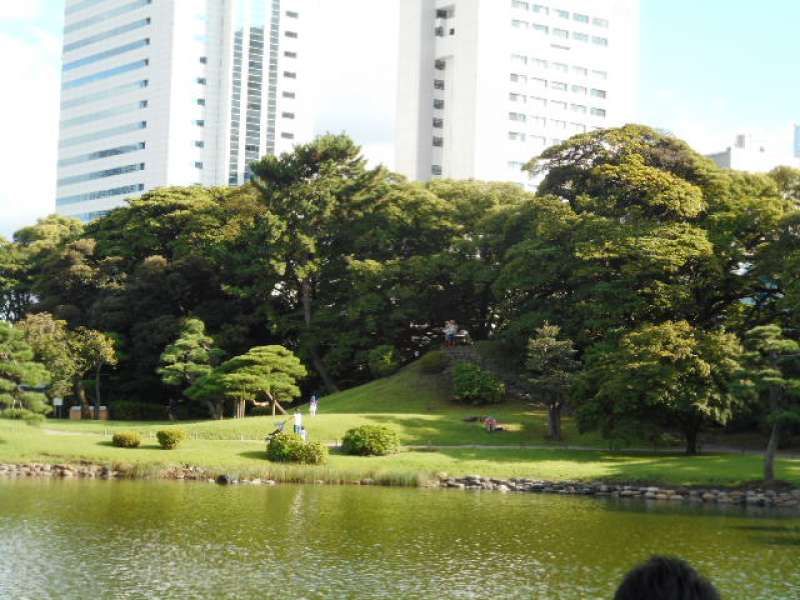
(144, 539)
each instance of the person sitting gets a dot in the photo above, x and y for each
(665, 578)
(491, 424)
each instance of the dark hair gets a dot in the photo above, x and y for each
(664, 578)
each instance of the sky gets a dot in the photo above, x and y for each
(709, 69)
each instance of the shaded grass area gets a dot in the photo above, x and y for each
(22, 444)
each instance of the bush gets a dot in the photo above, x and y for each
(169, 439)
(290, 447)
(433, 362)
(370, 440)
(130, 410)
(16, 414)
(473, 385)
(383, 361)
(313, 453)
(34, 419)
(126, 439)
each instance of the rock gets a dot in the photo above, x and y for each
(223, 480)
(502, 488)
(708, 497)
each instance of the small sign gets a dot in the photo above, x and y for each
(58, 402)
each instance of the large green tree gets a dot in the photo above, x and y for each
(773, 363)
(21, 376)
(666, 377)
(50, 340)
(92, 351)
(266, 375)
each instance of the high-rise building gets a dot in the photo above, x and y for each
(486, 85)
(756, 154)
(177, 92)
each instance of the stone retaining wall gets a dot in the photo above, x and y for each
(786, 498)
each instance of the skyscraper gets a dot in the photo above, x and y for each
(177, 92)
(485, 85)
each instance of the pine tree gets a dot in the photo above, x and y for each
(19, 373)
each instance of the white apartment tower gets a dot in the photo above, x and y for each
(177, 92)
(486, 85)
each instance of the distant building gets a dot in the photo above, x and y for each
(177, 92)
(754, 155)
(486, 85)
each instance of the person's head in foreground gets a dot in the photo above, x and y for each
(663, 578)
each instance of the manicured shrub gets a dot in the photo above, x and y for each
(16, 414)
(313, 453)
(284, 447)
(370, 440)
(34, 419)
(290, 447)
(473, 385)
(169, 439)
(126, 439)
(129, 410)
(433, 362)
(383, 361)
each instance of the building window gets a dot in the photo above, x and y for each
(537, 101)
(578, 127)
(99, 135)
(287, 115)
(580, 37)
(516, 59)
(539, 122)
(512, 96)
(564, 14)
(290, 75)
(599, 112)
(600, 41)
(291, 14)
(560, 67)
(118, 151)
(201, 102)
(600, 22)
(600, 74)
(436, 170)
(579, 89)
(558, 105)
(203, 60)
(290, 95)
(516, 136)
(519, 4)
(540, 63)
(516, 23)
(561, 33)
(539, 82)
(287, 136)
(514, 116)
(438, 104)
(139, 64)
(539, 8)
(127, 189)
(100, 174)
(106, 54)
(580, 71)
(558, 85)
(539, 140)
(578, 108)
(288, 54)
(438, 84)
(291, 34)
(599, 93)
(558, 124)
(540, 28)
(201, 80)
(199, 144)
(88, 41)
(438, 142)
(198, 165)
(440, 65)
(200, 122)
(580, 18)
(109, 14)
(438, 123)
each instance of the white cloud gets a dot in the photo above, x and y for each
(19, 10)
(29, 126)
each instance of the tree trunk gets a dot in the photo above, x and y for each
(554, 420)
(691, 441)
(319, 366)
(97, 391)
(80, 394)
(769, 456)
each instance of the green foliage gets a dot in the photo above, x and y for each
(264, 373)
(18, 368)
(370, 440)
(132, 410)
(169, 439)
(475, 386)
(433, 362)
(15, 414)
(383, 361)
(35, 419)
(190, 357)
(671, 376)
(52, 344)
(290, 447)
(126, 439)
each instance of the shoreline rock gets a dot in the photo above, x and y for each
(786, 498)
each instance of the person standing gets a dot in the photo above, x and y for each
(312, 406)
(298, 422)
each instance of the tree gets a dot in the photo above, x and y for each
(552, 367)
(773, 363)
(190, 357)
(92, 350)
(49, 339)
(670, 376)
(20, 374)
(265, 372)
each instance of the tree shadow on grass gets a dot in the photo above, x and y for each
(110, 444)
(261, 455)
(452, 429)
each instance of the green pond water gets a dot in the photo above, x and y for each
(98, 539)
